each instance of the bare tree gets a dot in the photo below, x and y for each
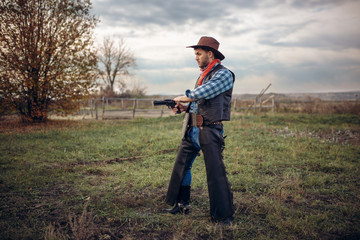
(138, 90)
(46, 60)
(114, 61)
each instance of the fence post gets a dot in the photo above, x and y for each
(162, 111)
(273, 104)
(234, 109)
(103, 108)
(260, 105)
(96, 109)
(134, 108)
(91, 107)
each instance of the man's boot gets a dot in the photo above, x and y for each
(182, 206)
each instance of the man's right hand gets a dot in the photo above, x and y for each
(181, 107)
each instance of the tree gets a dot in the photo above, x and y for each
(46, 57)
(137, 90)
(114, 61)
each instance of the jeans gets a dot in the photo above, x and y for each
(194, 137)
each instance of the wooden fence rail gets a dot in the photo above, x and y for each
(105, 108)
(257, 105)
(122, 108)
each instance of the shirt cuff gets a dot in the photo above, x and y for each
(189, 94)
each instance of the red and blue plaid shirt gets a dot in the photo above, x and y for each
(219, 83)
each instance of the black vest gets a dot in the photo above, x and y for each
(218, 108)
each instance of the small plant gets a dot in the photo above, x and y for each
(83, 226)
(53, 233)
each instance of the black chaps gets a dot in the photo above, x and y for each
(212, 144)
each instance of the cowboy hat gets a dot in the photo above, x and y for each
(212, 44)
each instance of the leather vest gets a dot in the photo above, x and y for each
(218, 108)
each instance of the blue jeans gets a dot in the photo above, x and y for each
(194, 136)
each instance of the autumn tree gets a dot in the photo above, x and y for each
(114, 61)
(47, 60)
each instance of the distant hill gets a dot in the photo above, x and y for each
(326, 96)
(329, 96)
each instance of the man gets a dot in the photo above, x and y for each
(209, 105)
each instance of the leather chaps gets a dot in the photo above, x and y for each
(212, 145)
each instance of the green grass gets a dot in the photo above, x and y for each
(294, 176)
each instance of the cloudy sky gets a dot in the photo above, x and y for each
(296, 45)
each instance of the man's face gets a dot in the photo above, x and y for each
(202, 57)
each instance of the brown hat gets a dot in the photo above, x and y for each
(211, 43)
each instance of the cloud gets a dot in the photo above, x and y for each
(316, 3)
(168, 80)
(168, 13)
(293, 44)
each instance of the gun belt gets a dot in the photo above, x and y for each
(196, 120)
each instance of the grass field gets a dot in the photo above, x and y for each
(294, 176)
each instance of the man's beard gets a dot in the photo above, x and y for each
(204, 64)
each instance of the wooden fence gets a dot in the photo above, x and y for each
(259, 102)
(257, 105)
(108, 108)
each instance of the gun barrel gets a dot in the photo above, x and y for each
(160, 102)
(168, 102)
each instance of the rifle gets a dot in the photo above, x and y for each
(169, 103)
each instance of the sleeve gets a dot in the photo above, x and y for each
(219, 83)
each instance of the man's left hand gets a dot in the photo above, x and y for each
(183, 99)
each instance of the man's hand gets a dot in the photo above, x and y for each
(183, 99)
(179, 100)
(180, 106)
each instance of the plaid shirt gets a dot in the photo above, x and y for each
(219, 83)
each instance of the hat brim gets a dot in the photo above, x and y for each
(218, 55)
